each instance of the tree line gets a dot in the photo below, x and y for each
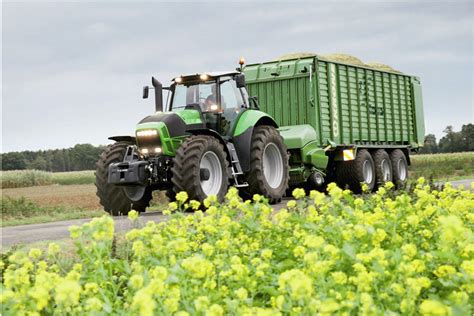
(451, 142)
(79, 157)
(84, 156)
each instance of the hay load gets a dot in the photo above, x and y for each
(341, 58)
(295, 55)
(382, 67)
(344, 58)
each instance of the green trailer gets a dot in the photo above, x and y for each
(347, 123)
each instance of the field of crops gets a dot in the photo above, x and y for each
(384, 253)
(442, 166)
(28, 178)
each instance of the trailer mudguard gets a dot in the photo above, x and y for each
(314, 155)
(243, 131)
(297, 136)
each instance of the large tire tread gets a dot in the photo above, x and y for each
(185, 174)
(256, 178)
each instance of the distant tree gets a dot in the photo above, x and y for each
(39, 163)
(430, 147)
(84, 156)
(13, 161)
(467, 137)
(450, 142)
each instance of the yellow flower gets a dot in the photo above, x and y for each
(339, 277)
(182, 197)
(194, 204)
(201, 303)
(445, 271)
(291, 204)
(133, 215)
(211, 199)
(299, 193)
(53, 249)
(430, 307)
(173, 206)
(313, 241)
(34, 253)
(93, 304)
(198, 267)
(241, 294)
(67, 293)
(389, 185)
(136, 281)
(215, 310)
(297, 283)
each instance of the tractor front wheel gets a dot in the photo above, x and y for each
(268, 174)
(200, 168)
(112, 197)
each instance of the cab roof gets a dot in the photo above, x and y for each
(212, 74)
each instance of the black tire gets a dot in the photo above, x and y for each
(186, 174)
(171, 195)
(112, 197)
(351, 173)
(399, 167)
(258, 184)
(383, 167)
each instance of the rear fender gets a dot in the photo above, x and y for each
(242, 136)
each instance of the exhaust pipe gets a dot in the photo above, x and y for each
(158, 87)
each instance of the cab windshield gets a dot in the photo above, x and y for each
(205, 95)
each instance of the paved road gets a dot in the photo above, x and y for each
(59, 230)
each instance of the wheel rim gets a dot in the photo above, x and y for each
(402, 170)
(368, 172)
(272, 165)
(385, 166)
(211, 162)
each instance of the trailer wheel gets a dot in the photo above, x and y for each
(268, 174)
(383, 167)
(360, 170)
(112, 197)
(200, 168)
(399, 167)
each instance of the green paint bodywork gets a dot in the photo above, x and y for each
(349, 105)
(189, 116)
(313, 154)
(247, 120)
(169, 144)
(297, 136)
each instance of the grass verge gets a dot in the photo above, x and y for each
(21, 211)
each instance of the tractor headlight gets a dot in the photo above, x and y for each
(147, 132)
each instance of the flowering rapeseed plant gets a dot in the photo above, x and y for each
(386, 253)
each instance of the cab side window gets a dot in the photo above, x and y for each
(230, 96)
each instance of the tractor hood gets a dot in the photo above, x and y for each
(177, 122)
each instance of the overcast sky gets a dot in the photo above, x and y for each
(73, 73)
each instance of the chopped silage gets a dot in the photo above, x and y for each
(340, 57)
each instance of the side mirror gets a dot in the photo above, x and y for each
(240, 80)
(146, 89)
(254, 101)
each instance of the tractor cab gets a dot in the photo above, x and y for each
(218, 97)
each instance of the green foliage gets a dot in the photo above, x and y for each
(79, 157)
(19, 211)
(442, 166)
(379, 254)
(74, 177)
(29, 178)
(25, 178)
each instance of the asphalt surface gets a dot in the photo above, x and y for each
(25, 234)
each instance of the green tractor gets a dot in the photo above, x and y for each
(210, 136)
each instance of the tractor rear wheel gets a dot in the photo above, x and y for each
(112, 197)
(399, 167)
(360, 170)
(383, 167)
(200, 168)
(268, 173)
